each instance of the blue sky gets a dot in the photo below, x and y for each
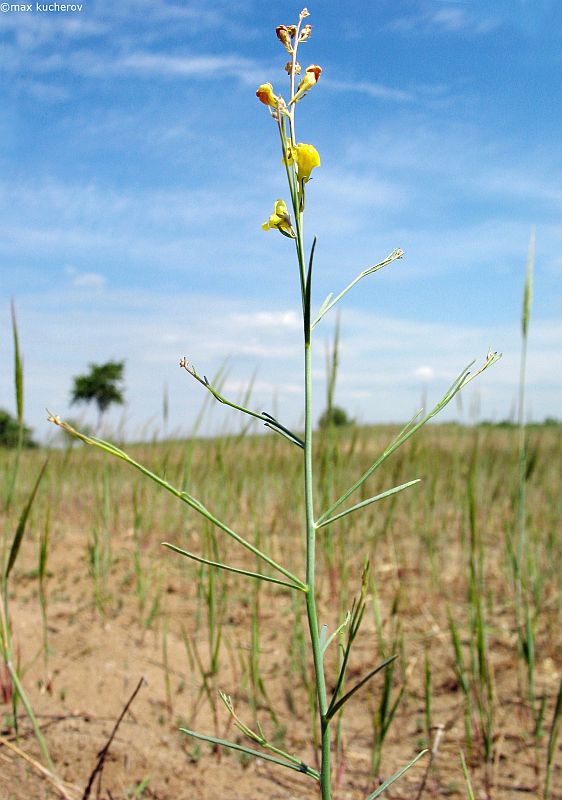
(137, 166)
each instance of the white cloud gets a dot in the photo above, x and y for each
(376, 90)
(89, 280)
(382, 360)
(424, 373)
(193, 66)
(268, 319)
(93, 281)
(450, 19)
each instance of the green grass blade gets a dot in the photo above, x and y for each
(20, 530)
(528, 290)
(11, 478)
(303, 768)
(469, 790)
(32, 718)
(395, 777)
(460, 668)
(552, 739)
(18, 369)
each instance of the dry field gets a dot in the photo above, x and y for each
(114, 606)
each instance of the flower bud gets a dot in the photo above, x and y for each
(305, 33)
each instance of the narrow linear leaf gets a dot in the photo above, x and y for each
(308, 290)
(329, 303)
(552, 739)
(355, 619)
(215, 391)
(393, 710)
(20, 530)
(18, 368)
(303, 768)
(469, 789)
(192, 502)
(324, 305)
(395, 777)
(528, 290)
(410, 429)
(323, 637)
(333, 710)
(333, 635)
(228, 568)
(289, 436)
(368, 502)
(44, 549)
(32, 718)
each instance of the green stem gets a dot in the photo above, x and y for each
(312, 616)
(310, 580)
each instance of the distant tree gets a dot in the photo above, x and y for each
(103, 385)
(335, 416)
(9, 432)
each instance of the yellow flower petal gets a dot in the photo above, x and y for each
(266, 95)
(311, 77)
(305, 157)
(280, 220)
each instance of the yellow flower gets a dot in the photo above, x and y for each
(305, 157)
(311, 77)
(265, 94)
(280, 220)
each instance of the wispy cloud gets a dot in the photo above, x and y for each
(124, 39)
(93, 281)
(195, 66)
(450, 18)
(377, 90)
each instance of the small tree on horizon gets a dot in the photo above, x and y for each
(10, 432)
(102, 385)
(335, 416)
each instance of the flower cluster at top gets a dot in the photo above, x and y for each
(299, 158)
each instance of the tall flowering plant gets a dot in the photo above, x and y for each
(299, 159)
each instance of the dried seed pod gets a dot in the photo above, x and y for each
(284, 37)
(289, 68)
(305, 33)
